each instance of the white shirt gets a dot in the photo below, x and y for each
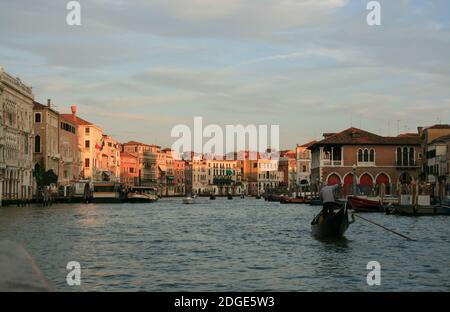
(327, 193)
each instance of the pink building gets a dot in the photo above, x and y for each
(179, 174)
(129, 168)
(70, 161)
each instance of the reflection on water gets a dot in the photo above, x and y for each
(222, 245)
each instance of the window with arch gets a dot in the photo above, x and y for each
(406, 156)
(37, 144)
(372, 155)
(366, 156)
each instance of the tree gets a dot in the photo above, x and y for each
(44, 178)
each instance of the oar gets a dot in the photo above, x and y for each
(404, 236)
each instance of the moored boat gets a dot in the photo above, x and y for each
(361, 204)
(274, 197)
(325, 225)
(415, 210)
(142, 194)
(294, 200)
(108, 192)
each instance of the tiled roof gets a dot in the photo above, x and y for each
(439, 127)
(287, 153)
(75, 119)
(308, 144)
(135, 143)
(442, 139)
(127, 154)
(355, 136)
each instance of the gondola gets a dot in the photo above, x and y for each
(333, 225)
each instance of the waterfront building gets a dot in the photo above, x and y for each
(199, 176)
(224, 177)
(303, 156)
(129, 168)
(69, 150)
(90, 140)
(137, 149)
(109, 160)
(287, 165)
(46, 156)
(156, 172)
(435, 149)
(16, 139)
(263, 175)
(179, 166)
(370, 159)
(167, 174)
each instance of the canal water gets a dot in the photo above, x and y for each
(225, 245)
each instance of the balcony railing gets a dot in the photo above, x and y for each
(332, 163)
(409, 164)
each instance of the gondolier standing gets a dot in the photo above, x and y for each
(328, 196)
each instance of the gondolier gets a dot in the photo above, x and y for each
(328, 196)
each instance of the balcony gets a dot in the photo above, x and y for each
(330, 163)
(406, 165)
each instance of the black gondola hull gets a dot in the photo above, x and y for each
(334, 226)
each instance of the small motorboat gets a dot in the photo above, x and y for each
(190, 200)
(326, 225)
(274, 198)
(142, 194)
(362, 204)
(294, 200)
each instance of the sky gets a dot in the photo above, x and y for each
(138, 68)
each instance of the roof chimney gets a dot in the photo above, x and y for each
(74, 109)
(49, 102)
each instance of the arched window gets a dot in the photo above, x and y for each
(411, 156)
(37, 144)
(366, 155)
(399, 155)
(405, 156)
(372, 155)
(360, 155)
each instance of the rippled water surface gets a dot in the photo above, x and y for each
(225, 245)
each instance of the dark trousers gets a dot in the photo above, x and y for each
(329, 207)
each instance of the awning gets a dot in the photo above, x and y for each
(162, 168)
